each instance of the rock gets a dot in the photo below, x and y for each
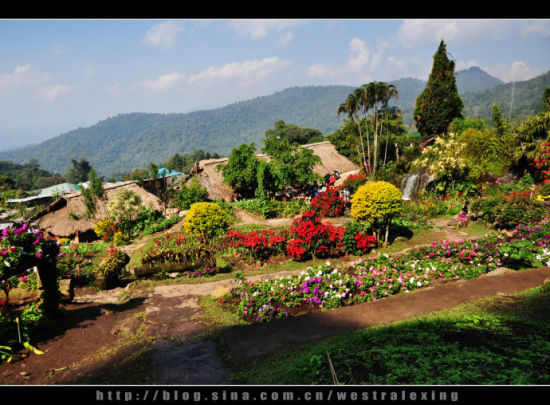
(219, 293)
(498, 271)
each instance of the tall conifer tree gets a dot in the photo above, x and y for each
(439, 103)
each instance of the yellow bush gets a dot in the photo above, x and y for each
(376, 202)
(104, 227)
(206, 219)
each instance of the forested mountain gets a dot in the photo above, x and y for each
(129, 141)
(474, 79)
(517, 100)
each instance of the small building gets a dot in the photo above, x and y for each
(66, 216)
(46, 195)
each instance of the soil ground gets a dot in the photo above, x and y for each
(155, 334)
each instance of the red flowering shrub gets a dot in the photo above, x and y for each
(312, 237)
(542, 162)
(260, 245)
(328, 203)
(353, 181)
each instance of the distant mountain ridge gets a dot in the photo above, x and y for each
(129, 141)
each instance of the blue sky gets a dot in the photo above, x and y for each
(56, 75)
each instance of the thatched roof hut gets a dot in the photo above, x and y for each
(66, 217)
(212, 179)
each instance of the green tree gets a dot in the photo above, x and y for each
(439, 103)
(93, 194)
(125, 205)
(376, 95)
(78, 172)
(291, 165)
(546, 98)
(294, 133)
(240, 171)
(351, 107)
(190, 193)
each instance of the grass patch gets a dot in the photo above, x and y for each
(497, 340)
(476, 229)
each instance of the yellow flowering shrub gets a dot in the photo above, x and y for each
(204, 218)
(104, 228)
(445, 157)
(376, 202)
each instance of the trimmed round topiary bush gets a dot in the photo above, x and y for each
(376, 202)
(206, 219)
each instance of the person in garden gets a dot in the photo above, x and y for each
(346, 197)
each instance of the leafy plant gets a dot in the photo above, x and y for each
(112, 263)
(206, 219)
(377, 203)
(190, 193)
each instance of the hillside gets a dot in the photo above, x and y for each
(524, 98)
(129, 141)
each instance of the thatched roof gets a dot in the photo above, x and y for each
(67, 215)
(212, 179)
(217, 190)
(331, 160)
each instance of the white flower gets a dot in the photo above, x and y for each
(419, 284)
(328, 263)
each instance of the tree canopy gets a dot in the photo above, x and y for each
(439, 104)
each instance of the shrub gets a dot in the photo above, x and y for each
(125, 204)
(309, 236)
(354, 181)
(508, 210)
(112, 263)
(183, 251)
(356, 239)
(191, 193)
(105, 229)
(207, 219)
(259, 245)
(328, 203)
(376, 202)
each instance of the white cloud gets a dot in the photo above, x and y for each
(164, 82)
(50, 93)
(517, 71)
(15, 78)
(458, 31)
(24, 80)
(357, 61)
(162, 35)
(257, 29)
(248, 70)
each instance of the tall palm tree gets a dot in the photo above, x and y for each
(351, 107)
(373, 94)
